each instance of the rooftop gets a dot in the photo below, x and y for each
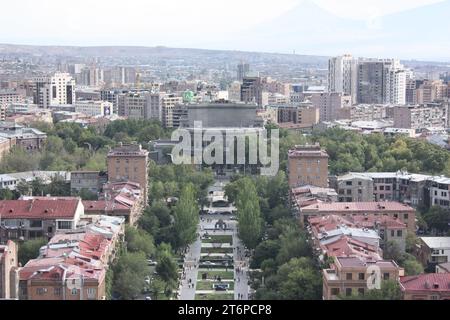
(362, 207)
(40, 208)
(437, 242)
(426, 282)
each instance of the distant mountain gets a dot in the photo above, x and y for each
(129, 51)
(418, 33)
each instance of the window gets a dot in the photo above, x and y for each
(385, 276)
(348, 183)
(392, 233)
(40, 291)
(399, 233)
(381, 187)
(405, 216)
(65, 225)
(361, 276)
(74, 291)
(388, 188)
(348, 292)
(334, 291)
(91, 292)
(35, 223)
(57, 291)
(349, 276)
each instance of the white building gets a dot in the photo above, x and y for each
(94, 108)
(56, 90)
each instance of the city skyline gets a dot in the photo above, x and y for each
(311, 27)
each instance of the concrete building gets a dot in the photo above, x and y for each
(342, 76)
(308, 165)
(88, 180)
(11, 180)
(242, 71)
(129, 162)
(419, 117)
(169, 102)
(94, 108)
(400, 186)
(381, 81)
(354, 188)
(301, 116)
(440, 192)
(434, 251)
(252, 91)
(55, 90)
(222, 114)
(141, 105)
(330, 104)
(349, 276)
(8, 270)
(429, 91)
(8, 97)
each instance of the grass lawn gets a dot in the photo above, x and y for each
(220, 273)
(219, 239)
(208, 285)
(217, 296)
(215, 258)
(217, 250)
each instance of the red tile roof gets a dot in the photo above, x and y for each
(426, 282)
(358, 207)
(39, 209)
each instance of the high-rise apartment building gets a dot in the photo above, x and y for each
(381, 81)
(342, 75)
(242, 70)
(252, 91)
(55, 90)
(129, 162)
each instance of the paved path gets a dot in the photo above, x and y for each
(187, 289)
(241, 287)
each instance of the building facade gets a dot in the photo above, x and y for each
(308, 165)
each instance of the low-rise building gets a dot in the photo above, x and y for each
(10, 180)
(430, 286)
(92, 181)
(308, 165)
(395, 210)
(118, 199)
(38, 217)
(434, 251)
(351, 275)
(72, 266)
(29, 139)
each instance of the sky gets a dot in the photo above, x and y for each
(322, 27)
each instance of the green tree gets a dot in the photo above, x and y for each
(6, 194)
(139, 241)
(250, 222)
(299, 280)
(30, 249)
(130, 272)
(23, 188)
(186, 217)
(437, 219)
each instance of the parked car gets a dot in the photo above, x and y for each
(221, 287)
(151, 262)
(148, 298)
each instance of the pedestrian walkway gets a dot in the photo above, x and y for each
(190, 270)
